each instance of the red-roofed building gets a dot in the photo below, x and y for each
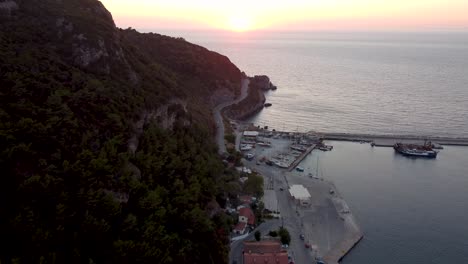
(265, 252)
(246, 216)
(240, 228)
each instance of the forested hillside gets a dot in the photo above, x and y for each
(106, 150)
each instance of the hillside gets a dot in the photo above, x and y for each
(106, 149)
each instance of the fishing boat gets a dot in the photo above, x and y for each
(413, 150)
(264, 144)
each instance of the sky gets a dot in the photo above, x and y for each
(294, 15)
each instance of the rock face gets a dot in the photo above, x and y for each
(262, 82)
(249, 106)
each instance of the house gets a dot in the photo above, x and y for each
(247, 216)
(265, 252)
(240, 228)
(246, 199)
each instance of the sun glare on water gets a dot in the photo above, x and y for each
(240, 23)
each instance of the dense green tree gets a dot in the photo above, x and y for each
(258, 235)
(73, 91)
(284, 235)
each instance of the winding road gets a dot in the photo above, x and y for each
(218, 117)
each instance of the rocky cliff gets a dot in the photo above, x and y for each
(105, 146)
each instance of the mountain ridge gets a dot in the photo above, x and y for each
(106, 139)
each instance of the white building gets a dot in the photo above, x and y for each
(300, 194)
(251, 134)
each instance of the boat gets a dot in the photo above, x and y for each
(299, 148)
(325, 148)
(413, 150)
(264, 144)
(245, 147)
(267, 104)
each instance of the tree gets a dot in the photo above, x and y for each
(284, 235)
(254, 185)
(257, 235)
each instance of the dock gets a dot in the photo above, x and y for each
(301, 157)
(340, 250)
(390, 140)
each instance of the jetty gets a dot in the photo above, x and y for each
(390, 140)
(301, 157)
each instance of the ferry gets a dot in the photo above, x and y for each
(412, 150)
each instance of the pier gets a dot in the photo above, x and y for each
(390, 140)
(340, 250)
(301, 157)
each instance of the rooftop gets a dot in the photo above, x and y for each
(247, 212)
(251, 133)
(299, 192)
(268, 252)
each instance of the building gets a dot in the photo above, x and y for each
(251, 134)
(270, 201)
(247, 216)
(240, 228)
(300, 194)
(265, 252)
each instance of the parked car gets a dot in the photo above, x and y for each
(249, 156)
(301, 236)
(300, 169)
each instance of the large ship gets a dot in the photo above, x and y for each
(413, 150)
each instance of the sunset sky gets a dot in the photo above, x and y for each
(243, 15)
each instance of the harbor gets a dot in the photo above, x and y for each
(322, 226)
(325, 221)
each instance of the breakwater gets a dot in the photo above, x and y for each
(391, 139)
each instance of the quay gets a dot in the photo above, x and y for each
(340, 250)
(320, 227)
(390, 140)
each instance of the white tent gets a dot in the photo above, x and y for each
(300, 193)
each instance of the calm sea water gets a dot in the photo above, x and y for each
(379, 83)
(412, 211)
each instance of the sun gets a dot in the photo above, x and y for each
(240, 23)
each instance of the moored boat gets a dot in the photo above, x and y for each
(412, 150)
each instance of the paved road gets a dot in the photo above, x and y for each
(291, 220)
(219, 118)
(235, 255)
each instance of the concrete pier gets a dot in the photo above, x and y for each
(390, 140)
(301, 157)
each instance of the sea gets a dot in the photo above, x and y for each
(385, 83)
(392, 83)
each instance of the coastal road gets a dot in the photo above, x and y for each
(235, 255)
(219, 118)
(291, 215)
